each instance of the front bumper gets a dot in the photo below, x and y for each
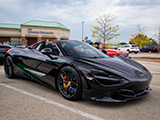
(134, 50)
(123, 96)
(117, 93)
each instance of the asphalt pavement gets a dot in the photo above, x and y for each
(23, 99)
(145, 56)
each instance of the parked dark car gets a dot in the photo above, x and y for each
(16, 45)
(78, 70)
(3, 50)
(146, 48)
(20, 46)
(150, 48)
(155, 48)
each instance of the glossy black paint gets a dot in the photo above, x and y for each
(107, 79)
(3, 50)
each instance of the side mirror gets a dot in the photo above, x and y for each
(104, 51)
(29, 47)
(46, 51)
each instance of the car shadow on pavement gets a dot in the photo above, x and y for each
(117, 104)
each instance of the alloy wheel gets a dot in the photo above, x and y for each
(69, 83)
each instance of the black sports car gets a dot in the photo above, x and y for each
(78, 70)
(3, 50)
(146, 48)
(16, 45)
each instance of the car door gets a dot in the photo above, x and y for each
(123, 48)
(33, 57)
(41, 65)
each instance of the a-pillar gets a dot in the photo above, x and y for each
(23, 40)
(39, 39)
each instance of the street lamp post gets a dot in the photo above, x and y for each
(82, 30)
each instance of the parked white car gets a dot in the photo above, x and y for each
(129, 48)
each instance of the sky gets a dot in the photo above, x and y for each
(71, 13)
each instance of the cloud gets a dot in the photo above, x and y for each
(138, 2)
(71, 13)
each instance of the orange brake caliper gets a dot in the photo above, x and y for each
(64, 84)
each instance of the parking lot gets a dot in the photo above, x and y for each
(23, 99)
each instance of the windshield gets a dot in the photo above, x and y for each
(80, 49)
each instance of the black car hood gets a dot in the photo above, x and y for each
(123, 67)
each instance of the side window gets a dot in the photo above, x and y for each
(35, 46)
(55, 50)
(127, 46)
(40, 46)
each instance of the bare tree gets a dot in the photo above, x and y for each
(105, 30)
(140, 28)
(158, 33)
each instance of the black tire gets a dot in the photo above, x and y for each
(1, 62)
(129, 51)
(69, 83)
(135, 52)
(8, 67)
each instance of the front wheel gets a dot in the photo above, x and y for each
(69, 83)
(8, 67)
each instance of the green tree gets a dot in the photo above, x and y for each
(140, 40)
(105, 30)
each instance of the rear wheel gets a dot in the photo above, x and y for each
(129, 51)
(8, 67)
(135, 52)
(69, 83)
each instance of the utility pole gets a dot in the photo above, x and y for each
(82, 29)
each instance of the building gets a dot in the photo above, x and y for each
(33, 31)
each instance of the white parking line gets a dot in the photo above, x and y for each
(155, 86)
(90, 116)
(155, 72)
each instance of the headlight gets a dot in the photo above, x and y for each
(99, 72)
(106, 78)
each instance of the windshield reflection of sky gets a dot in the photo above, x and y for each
(80, 49)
